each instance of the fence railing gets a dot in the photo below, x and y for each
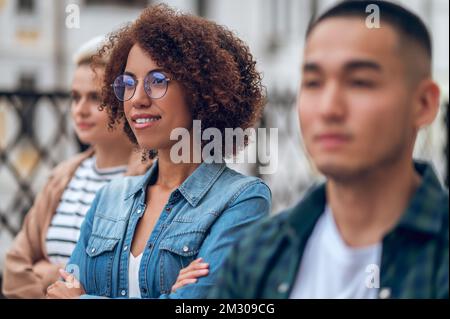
(34, 136)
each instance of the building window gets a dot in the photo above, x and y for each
(124, 3)
(26, 6)
(202, 8)
(27, 82)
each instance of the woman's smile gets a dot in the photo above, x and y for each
(144, 121)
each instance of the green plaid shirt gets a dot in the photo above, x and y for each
(414, 263)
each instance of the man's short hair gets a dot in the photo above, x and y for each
(407, 24)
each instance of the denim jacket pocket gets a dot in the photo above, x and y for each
(99, 264)
(177, 251)
(107, 226)
(185, 244)
(98, 245)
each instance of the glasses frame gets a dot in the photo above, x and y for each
(167, 79)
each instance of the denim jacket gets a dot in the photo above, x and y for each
(203, 217)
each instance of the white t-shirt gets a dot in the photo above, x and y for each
(133, 276)
(331, 269)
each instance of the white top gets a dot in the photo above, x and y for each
(64, 229)
(133, 276)
(331, 269)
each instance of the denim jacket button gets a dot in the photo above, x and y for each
(93, 250)
(125, 248)
(385, 293)
(123, 292)
(283, 287)
(185, 249)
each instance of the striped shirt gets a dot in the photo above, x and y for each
(64, 229)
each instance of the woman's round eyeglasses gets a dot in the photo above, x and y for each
(155, 85)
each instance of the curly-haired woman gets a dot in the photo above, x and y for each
(168, 69)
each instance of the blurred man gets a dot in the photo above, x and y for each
(378, 227)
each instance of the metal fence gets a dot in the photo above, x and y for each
(35, 135)
(24, 150)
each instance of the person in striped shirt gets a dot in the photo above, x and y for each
(52, 226)
(64, 229)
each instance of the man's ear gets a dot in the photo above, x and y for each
(426, 103)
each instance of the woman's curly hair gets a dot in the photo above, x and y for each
(223, 88)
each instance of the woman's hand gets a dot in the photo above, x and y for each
(190, 274)
(47, 272)
(67, 289)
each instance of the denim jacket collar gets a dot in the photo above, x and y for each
(193, 188)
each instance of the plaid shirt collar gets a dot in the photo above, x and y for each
(422, 214)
